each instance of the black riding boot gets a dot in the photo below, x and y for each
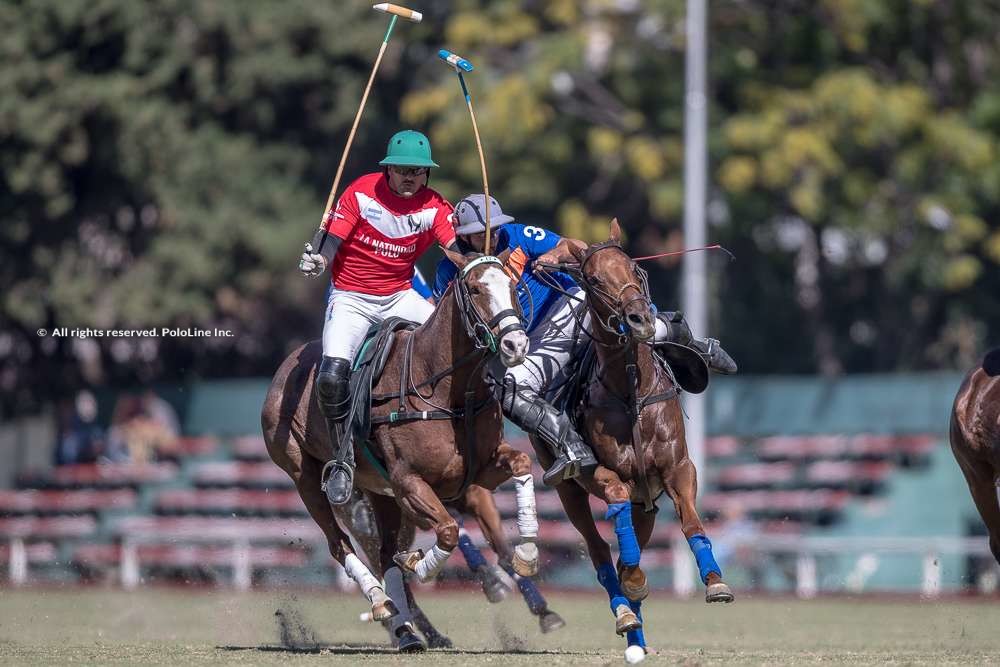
(333, 392)
(678, 331)
(536, 416)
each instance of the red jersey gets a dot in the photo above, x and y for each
(384, 234)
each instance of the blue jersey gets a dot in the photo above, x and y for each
(419, 284)
(527, 243)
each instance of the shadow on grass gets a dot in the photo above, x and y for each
(365, 649)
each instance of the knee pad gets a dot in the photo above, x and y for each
(332, 384)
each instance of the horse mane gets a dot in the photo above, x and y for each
(991, 362)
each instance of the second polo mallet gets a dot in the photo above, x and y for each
(462, 65)
(396, 11)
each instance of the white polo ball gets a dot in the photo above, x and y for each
(634, 654)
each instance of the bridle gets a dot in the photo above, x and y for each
(615, 323)
(481, 330)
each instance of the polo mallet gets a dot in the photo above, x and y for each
(397, 11)
(462, 65)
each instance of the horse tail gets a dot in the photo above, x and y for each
(991, 362)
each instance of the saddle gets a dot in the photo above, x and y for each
(366, 370)
(683, 364)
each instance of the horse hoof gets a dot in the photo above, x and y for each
(493, 586)
(626, 620)
(439, 641)
(719, 592)
(408, 642)
(383, 608)
(525, 560)
(634, 585)
(550, 621)
(408, 560)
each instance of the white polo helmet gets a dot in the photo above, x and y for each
(470, 215)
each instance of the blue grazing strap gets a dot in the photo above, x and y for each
(635, 637)
(608, 578)
(701, 547)
(628, 544)
(473, 556)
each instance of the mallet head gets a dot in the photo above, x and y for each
(400, 11)
(455, 60)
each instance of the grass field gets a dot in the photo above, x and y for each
(92, 626)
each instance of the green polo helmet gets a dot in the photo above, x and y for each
(409, 148)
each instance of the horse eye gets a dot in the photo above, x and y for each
(474, 289)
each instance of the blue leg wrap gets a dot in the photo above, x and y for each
(609, 580)
(635, 637)
(473, 556)
(628, 544)
(701, 547)
(529, 591)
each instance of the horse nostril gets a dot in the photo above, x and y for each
(507, 345)
(635, 320)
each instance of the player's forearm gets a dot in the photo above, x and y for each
(326, 244)
(562, 253)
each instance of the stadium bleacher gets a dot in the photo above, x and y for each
(224, 503)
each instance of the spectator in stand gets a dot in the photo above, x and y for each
(79, 439)
(121, 441)
(163, 424)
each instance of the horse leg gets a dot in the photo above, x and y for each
(616, 494)
(643, 522)
(575, 501)
(387, 518)
(682, 484)
(418, 500)
(479, 502)
(984, 484)
(509, 462)
(306, 472)
(489, 576)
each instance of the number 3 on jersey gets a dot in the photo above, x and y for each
(534, 233)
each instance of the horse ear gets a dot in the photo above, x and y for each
(504, 255)
(577, 252)
(457, 258)
(615, 232)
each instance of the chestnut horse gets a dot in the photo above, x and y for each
(975, 440)
(415, 458)
(630, 414)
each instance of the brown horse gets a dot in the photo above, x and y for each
(630, 414)
(975, 440)
(414, 460)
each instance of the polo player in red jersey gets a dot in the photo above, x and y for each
(371, 240)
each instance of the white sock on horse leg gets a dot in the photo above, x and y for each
(527, 512)
(431, 563)
(360, 573)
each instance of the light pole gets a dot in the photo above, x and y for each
(695, 295)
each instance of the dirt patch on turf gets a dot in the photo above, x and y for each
(293, 631)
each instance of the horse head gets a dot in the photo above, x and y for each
(617, 289)
(488, 305)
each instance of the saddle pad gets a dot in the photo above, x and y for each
(369, 363)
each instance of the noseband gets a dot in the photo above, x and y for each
(480, 329)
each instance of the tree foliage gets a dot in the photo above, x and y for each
(162, 164)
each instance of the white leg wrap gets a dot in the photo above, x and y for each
(527, 513)
(431, 563)
(360, 573)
